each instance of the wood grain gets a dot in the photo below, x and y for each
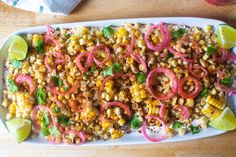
(12, 19)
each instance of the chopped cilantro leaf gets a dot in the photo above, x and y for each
(177, 125)
(194, 129)
(45, 120)
(108, 31)
(63, 120)
(44, 131)
(227, 81)
(135, 123)
(203, 93)
(54, 131)
(40, 47)
(114, 68)
(179, 33)
(41, 96)
(16, 64)
(210, 50)
(12, 85)
(57, 81)
(141, 77)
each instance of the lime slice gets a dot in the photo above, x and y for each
(226, 36)
(20, 128)
(18, 48)
(226, 121)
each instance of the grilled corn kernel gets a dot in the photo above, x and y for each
(121, 122)
(181, 131)
(122, 32)
(208, 109)
(220, 104)
(190, 102)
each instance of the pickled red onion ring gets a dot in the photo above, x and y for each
(106, 50)
(150, 83)
(89, 61)
(182, 93)
(144, 128)
(59, 59)
(79, 134)
(222, 58)
(224, 88)
(185, 112)
(162, 111)
(33, 116)
(165, 35)
(140, 60)
(232, 57)
(116, 103)
(71, 90)
(201, 75)
(26, 79)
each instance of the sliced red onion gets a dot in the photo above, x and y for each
(26, 79)
(106, 50)
(165, 35)
(144, 128)
(150, 83)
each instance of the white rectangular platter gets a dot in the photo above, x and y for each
(132, 138)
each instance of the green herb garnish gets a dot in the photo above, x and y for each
(40, 47)
(114, 68)
(41, 96)
(92, 69)
(204, 93)
(54, 131)
(57, 81)
(177, 125)
(227, 81)
(179, 33)
(17, 64)
(169, 55)
(135, 123)
(141, 77)
(108, 31)
(65, 88)
(57, 29)
(210, 50)
(194, 129)
(56, 109)
(63, 120)
(12, 85)
(45, 120)
(44, 131)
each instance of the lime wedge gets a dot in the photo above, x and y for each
(226, 121)
(20, 128)
(226, 36)
(18, 48)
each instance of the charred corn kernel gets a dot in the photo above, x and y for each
(109, 112)
(215, 114)
(35, 40)
(122, 32)
(203, 122)
(59, 97)
(106, 125)
(208, 109)
(98, 83)
(73, 37)
(208, 28)
(213, 91)
(12, 108)
(205, 57)
(143, 94)
(121, 122)
(109, 86)
(155, 39)
(116, 134)
(220, 104)
(181, 131)
(190, 102)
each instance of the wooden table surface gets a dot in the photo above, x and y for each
(12, 19)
